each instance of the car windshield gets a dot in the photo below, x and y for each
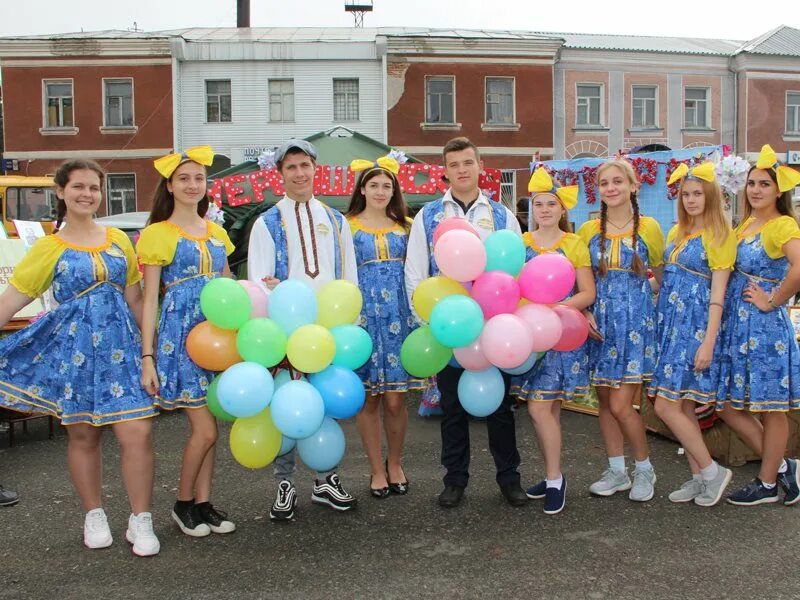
(30, 204)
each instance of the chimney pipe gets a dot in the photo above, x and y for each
(242, 13)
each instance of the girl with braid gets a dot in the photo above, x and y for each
(622, 245)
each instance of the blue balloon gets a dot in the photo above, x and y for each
(454, 363)
(456, 321)
(293, 304)
(297, 409)
(481, 392)
(526, 366)
(283, 377)
(323, 450)
(341, 390)
(245, 389)
(287, 445)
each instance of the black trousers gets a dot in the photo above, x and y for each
(455, 434)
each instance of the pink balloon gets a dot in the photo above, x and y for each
(544, 324)
(547, 278)
(574, 328)
(471, 357)
(506, 341)
(496, 292)
(460, 255)
(450, 224)
(258, 298)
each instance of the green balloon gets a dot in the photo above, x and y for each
(505, 251)
(213, 402)
(261, 341)
(353, 346)
(225, 303)
(422, 355)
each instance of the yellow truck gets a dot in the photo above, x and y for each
(27, 199)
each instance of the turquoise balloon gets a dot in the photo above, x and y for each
(505, 251)
(456, 321)
(481, 392)
(283, 377)
(287, 445)
(353, 346)
(292, 304)
(526, 366)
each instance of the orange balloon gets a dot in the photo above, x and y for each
(212, 348)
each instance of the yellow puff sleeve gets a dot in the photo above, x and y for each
(776, 233)
(222, 235)
(673, 233)
(576, 251)
(651, 233)
(157, 243)
(588, 230)
(721, 257)
(120, 239)
(34, 273)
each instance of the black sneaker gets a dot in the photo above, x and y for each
(188, 518)
(754, 493)
(217, 520)
(331, 493)
(789, 480)
(283, 507)
(7, 497)
(555, 498)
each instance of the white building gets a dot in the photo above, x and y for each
(243, 90)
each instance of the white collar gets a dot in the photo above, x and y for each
(288, 200)
(481, 199)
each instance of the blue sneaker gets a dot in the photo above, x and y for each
(754, 493)
(556, 498)
(538, 491)
(790, 482)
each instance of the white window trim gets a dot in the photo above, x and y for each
(432, 126)
(269, 100)
(512, 185)
(205, 101)
(333, 98)
(708, 125)
(45, 129)
(602, 123)
(135, 191)
(514, 125)
(655, 124)
(790, 132)
(106, 128)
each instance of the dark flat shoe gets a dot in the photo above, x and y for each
(379, 493)
(400, 488)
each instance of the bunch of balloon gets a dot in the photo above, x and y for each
(489, 311)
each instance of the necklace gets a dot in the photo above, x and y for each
(620, 227)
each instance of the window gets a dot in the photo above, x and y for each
(439, 100)
(644, 106)
(30, 204)
(121, 193)
(695, 108)
(58, 104)
(500, 100)
(118, 102)
(793, 112)
(508, 189)
(345, 99)
(281, 100)
(589, 105)
(218, 101)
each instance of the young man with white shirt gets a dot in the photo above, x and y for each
(303, 239)
(464, 199)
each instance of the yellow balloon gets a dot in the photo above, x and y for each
(338, 303)
(311, 348)
(431, 290)
(255, 441)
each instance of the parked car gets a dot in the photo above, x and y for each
(131, 223)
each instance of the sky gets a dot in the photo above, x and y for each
(727, 20)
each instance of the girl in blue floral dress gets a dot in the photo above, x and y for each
(558, 376)
(377, 216)
(701, 250)
(181, 251)
(622, 246)
(80, 362)
(761, 370)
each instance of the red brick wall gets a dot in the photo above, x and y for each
(766, 113)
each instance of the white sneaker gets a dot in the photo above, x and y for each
(140, 534)
(96, 533)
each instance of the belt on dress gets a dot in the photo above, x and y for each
(96, 285)
(757, 277)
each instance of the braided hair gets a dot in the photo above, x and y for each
(603, 220)
(637, 265)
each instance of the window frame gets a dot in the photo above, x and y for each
(513, 120)
(796, 107)
(283, 96)
(109, 177)
(219, 100)
(347, 118)
(452, 79)
(45, 103)
(104, 82)
(707, 114)
(644, 124)
(601, 99)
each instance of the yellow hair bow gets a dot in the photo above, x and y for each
(166, 165)
(387, 163)
(787, 177)
(541, 183)
(704, 171)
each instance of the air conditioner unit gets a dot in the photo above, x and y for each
(793, 157)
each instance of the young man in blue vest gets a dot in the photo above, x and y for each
(301, 238)
(464, 199)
